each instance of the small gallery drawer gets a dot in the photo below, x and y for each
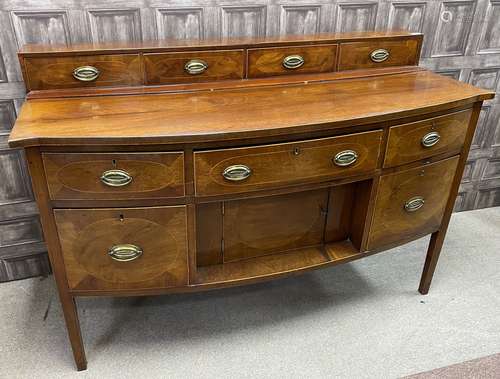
(199, 66)
(115, 176)
(372, 54)
(291, 60)
(219, 172)
(123, 248)
(411, 202)
(83, 71)
(423, 139)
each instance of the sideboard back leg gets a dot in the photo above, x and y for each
(437, 238)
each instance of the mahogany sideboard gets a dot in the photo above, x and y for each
(175, 166)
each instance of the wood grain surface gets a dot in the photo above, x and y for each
(391, 222)
(405, 141)
(57, 72)
(86, 235)
(229, 114)
(284, 164)
(264, 62)
(169, 68)
(78, 176)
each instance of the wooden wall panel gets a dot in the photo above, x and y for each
(462, 40)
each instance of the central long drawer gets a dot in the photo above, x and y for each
(244, 169)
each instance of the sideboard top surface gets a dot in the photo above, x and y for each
(235, 113)
(183, 45)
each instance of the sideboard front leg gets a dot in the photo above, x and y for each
(437, 238)
(73, 325)
(433, 251)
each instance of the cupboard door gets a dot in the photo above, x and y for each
(261, 226)
(411, 202)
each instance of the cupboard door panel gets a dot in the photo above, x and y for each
(411, 202)
(261, 226)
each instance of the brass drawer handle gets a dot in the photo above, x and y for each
(116, 178)
(125, 252)
(345, 158)
(292, 62)
(195, 66)
(379, 55)
(86, 73)
(414, 204)
(237, 172)
(430, 139)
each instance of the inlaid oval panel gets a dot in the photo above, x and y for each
(57, 72)
(276, 165)
(124, 248)
(114, 175)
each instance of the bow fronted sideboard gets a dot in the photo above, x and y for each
(177, 166)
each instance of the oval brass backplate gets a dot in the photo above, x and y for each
(236, 173)
(116, 178)
(379, 55)
(430, 139)
(414, 204)
(125, 252)
(345, 158)
(292, 62)
(86, 73)
(195, 66)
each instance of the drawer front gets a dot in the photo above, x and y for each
(423, 139)
(83, 71)
(226, 171)
(291, 60)
(201, 66)
(123, 248)
(374, 54)
(411, 202)
(114, 176)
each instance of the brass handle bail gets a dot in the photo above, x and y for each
(237, 172)
(345, 158)
(86, 73)
(414, 204)
(125, 252)
(195, 66)
(379, 55)
(116, 178)
(293, 62)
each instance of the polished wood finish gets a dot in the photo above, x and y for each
(78, 176)
(57, 72)
(166, 68)
(405, 141)
(290, 163)
(264, 62)
(296, 208)
(356, 55)
(255, 227)
(86, 236)
(159, 45)
(231, 114)
(391, 222)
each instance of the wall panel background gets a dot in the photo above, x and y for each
(462, 40)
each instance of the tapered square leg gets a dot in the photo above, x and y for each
(73, 325)
(433, 251)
